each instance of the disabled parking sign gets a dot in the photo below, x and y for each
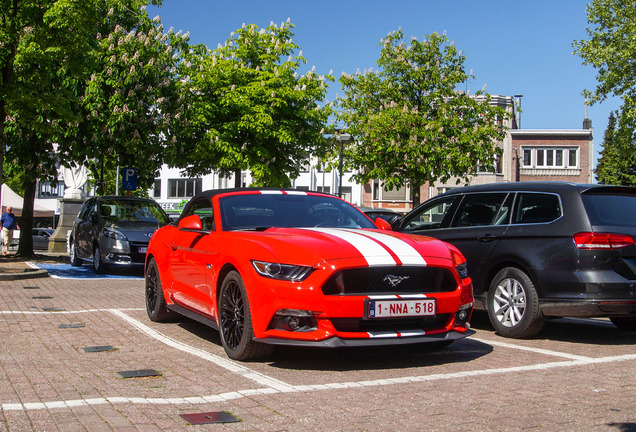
(129, 179)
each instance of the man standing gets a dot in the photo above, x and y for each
(9, 223)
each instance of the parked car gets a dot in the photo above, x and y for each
(41, 238)
(283, 267)
(114, 230)
(387, 214)
(540, 249)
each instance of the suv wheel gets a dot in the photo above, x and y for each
(75, 261)
(513, 304)
(98, 264)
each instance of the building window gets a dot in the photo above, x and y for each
(346, 193)
(381, 194)
(184, 188)
(550, 157)
(573, 159)
(157, 188)
(323, 189)
(527, 157)
(48, 190)
(305, 165)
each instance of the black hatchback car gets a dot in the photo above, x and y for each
(114, 230)
(540, 249)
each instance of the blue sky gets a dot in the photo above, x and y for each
(513, 46)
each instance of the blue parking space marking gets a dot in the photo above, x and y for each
(67, 271)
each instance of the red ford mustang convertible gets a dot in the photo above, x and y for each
(272, 266)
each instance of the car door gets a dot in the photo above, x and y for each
(85, 232)
(474, 223)
(193, 252)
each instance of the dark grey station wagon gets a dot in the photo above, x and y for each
(114, 231)
(540, 249)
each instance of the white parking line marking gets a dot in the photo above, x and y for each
(65, 312)
(275, 386)
(306, 388)
(534, 350)
(219, 361)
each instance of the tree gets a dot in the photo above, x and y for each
(43, 58)
(611, 49)
(247, 108)
(410, 123)
(617, 164)
(42, 42)
(131, 97)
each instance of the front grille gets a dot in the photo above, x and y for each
(393, 324)
(135, 255)
(377, 280)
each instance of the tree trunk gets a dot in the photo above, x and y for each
(415, 194)
(25, 248)
(237, 178)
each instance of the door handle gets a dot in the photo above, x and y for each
(173, 246)
(487, 238)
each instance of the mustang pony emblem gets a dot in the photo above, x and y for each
(394, 280)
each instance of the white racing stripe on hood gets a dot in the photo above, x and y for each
(404, 251)
(373, 253)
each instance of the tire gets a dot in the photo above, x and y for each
(623, 323)
(513, 304)
(98, 264)
(155, 299)
(75, 260)
(235, 321)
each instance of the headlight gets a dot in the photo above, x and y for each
(288, 272)
(113, 234)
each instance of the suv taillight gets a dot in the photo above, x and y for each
(592, 240)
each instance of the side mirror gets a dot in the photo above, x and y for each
(191, 223)
(382, 224)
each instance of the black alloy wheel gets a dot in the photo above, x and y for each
(235, 321)
(155, 300)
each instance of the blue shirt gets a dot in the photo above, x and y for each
(8, 221)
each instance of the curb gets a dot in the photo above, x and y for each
(17, 273)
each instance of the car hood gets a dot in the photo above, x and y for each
(311, 246)
(135, 231)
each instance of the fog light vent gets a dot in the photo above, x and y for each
(294, 320)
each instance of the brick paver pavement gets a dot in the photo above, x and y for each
(578, 375)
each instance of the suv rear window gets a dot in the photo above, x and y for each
(614, 209)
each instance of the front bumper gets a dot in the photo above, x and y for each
(338, 342)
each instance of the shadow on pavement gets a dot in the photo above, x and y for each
(575, 330)
(67, 271)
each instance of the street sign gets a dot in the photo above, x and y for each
(129, 179)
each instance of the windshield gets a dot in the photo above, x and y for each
(133, 211)
(262, 211)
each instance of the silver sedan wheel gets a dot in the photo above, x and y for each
(509, 302)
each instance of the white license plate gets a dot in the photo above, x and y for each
(400, 308)
(143, 249)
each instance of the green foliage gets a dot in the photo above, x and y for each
(46, 56)
(611, 49)
(410, 123)
(247, 108)
(617, 164)
(131, 98)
